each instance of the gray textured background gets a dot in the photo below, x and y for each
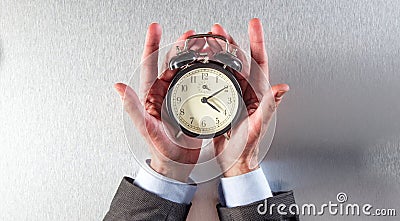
(63, 150)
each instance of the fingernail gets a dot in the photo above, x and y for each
(191, 31)
(280, 94)
(154, 23)
(120, 94)
(223, 29)
(118, 90)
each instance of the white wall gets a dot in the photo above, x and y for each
(63, 150)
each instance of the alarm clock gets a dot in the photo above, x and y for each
(204, 99)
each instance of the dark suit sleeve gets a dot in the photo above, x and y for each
(133, 203)
(250, 212)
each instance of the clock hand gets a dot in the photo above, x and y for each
(204, 100)
(215, 108)
(212, 95)
(206, 87)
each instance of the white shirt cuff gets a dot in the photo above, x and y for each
(164, 187)
(245, 189)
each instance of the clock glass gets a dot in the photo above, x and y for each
(204, 100)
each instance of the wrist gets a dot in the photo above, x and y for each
(247, 162)
(173, 170)
(239, 169)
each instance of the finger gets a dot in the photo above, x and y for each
(185, 36)
(279, 90)
(214, 45)
(179, 42)
(268, 103)
(195, 44)
(168, 74)
(259, 76)
(257, 45)
(149, 67)
(217, 29)
(132, 105)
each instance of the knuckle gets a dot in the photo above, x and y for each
(272, 106)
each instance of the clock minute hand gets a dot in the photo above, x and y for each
(215, 93)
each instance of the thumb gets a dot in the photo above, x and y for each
(132, 104)
(270, 102)
(278, 91)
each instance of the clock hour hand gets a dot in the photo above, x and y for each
(219, 91)
(204, 100)
(206, 87)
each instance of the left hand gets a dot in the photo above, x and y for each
(238, 155)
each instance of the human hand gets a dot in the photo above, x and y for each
(167, 157)
(239, 154)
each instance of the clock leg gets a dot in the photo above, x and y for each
(178, 134)
(226, 136)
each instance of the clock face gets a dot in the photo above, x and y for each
(204, 100)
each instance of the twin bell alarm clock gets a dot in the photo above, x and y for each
(204, 98)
